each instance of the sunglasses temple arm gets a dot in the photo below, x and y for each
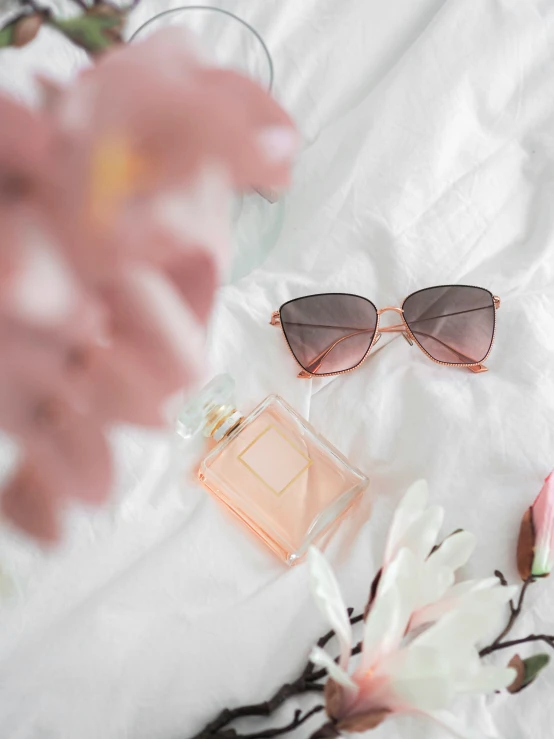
(400, 328)
(446, 346)
(316, 361)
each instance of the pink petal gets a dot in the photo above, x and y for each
(543, 523)
(123, 391)
(72, 454)
(152, 322)
(195, 277)
(31, 505)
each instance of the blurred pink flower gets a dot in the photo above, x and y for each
(113, 210)
(536, 537)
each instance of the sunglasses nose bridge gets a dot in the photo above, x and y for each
(389, 308)
(398, 328)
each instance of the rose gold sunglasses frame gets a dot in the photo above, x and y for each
(402, 328)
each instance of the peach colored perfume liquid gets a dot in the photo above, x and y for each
(281, 478)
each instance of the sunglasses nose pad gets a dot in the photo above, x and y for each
(376, 339)
(405, 335)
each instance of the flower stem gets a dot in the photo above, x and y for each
(546, 638)
(515, 612)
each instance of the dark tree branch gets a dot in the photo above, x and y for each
(546, 638)
(515, 612)
(298, 720)
(306, 682)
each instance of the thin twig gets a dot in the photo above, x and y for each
(546, 638)
(514, 610)
(504, 582)
(500, 576)
(298, 720)
(373, 592)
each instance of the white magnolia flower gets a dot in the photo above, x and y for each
(397, 671)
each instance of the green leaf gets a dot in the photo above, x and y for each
(93, 33)
(527, 670)
(6, 35)
(533, 665)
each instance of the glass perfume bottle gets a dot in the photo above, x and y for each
(271, 468)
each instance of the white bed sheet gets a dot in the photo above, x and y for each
(429, 159)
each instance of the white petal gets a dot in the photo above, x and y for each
(382, 615)
(487, 680)
(422, 534)
(430, 613)
(455, 725)
(419, 677)
(404, 573)
(407, 511)
(404, 576)
(491, 604)
(455, 551)
(320, 658)
(472, 586)
(389, 616)
(326, 593)
(461, 629)
(400, 572)
(436, 580)
(454, 597)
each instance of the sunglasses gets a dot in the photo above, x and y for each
(333, 333)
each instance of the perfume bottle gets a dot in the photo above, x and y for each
(271, 468)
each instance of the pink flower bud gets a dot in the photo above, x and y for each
(535, 551)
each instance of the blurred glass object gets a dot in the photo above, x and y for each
(232, 43)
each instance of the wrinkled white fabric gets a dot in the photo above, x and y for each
(428, 159)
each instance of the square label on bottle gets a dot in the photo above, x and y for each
(275, 460)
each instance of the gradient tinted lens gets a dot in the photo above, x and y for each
(329, 333)
(454, 324)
